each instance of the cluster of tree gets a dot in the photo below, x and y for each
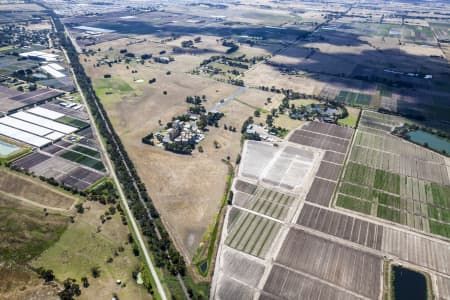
(196, 100)
(179, 148)
(25, 75)
(146, 56)
(238, 82)
(245, 134)
(235, 64)
(210, 119)
(105, 193)
(187, 44)
(71, 290)
(135, 191)
(148, 139)
(163, 60)
(232, 46)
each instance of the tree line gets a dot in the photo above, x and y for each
(164, 252)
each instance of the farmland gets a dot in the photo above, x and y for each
(315, 209)
(395, 180)
(22, 187)
(253, 234)
(70, 258)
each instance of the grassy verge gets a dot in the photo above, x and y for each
(204, 254)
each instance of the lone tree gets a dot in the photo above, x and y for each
(47, 275)
(85, 282)
(95, 272)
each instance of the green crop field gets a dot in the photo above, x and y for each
(439, 214)
(354, 204)
(388, 214)
(387, 181)
(387, 199)
(441, 195)
(355, 190)
(73, 122)
(359, 174)
(440, 228)
(83, 160)
(356, 99)
(86, 151)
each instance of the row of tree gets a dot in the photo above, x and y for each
(163, 249)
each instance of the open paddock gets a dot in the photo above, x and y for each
(340, 265)
(291, 285)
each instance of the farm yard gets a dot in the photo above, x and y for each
(395, 180)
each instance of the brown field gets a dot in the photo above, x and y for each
(19, 282)
(185, 189)
(25, 189)
(43, 25)
(269, 76)
(257, 99)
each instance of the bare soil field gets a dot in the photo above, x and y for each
(354, 270)
(21, 187)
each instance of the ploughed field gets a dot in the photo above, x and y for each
(396, 180)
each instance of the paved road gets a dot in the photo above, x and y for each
(129, 213)
(235, 94)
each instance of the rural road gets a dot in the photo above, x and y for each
(235, 94)
(129, 213)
